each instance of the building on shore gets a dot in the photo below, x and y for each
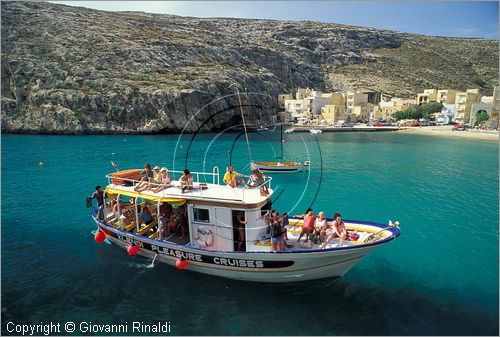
(281, 101)
(313, 106)
(336, 110)
(463, 104)
(387, 108)
(428, 96)
(447, 114)
(362, 104)
(446, 96)
(489, 105)
(294, 109)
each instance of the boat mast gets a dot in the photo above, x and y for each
(244, 126)
(281, 140)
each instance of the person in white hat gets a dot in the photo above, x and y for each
(165, 180)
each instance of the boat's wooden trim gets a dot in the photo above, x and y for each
(145, 229)
(122, 176)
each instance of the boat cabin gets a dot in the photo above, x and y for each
(207, 215)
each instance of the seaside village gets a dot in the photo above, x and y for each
(312, 107)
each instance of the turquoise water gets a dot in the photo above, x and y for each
(439, 278)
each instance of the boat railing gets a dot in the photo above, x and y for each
(175, 176)
(199, 178)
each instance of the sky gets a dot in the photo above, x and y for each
(476, 19)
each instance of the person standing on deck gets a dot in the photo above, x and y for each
(277, 231)
(164, 216)
(99, 196)
(240, 216)
(308, 225)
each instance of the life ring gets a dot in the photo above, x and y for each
(203, 237)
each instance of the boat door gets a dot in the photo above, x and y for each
(224, 228)
(239, 230)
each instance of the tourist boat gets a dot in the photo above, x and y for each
(211, 244)
(315, 131)
(281, 166)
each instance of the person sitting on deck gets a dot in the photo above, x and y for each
(320, 226)
(165, 181)
(124, 221)
(146, 178)
(339, 231)
(156, 178)
(257, 179)
(186, 180)
(231, 178)
(145, 217)
(308, 226)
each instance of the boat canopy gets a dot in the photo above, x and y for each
(111, 192)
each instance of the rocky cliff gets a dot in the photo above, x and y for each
(76, 70)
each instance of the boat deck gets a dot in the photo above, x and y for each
(212, 192)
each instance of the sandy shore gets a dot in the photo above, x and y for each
(447, 131)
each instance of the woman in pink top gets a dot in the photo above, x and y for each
(338, 230)
(308, 227)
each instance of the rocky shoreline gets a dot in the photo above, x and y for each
(72, 70)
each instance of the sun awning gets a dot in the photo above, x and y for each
(111, 192)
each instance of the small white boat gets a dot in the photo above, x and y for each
(315, 131)
(290, 130)
(211, 243)
(281, 166)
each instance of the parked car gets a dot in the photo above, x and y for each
(458, 127)
(378, 124)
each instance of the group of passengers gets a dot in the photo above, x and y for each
(317, 226)
(234, 179)
(169, 219)
(154, 180)
(158, 179)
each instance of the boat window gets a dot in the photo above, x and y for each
(201, 215)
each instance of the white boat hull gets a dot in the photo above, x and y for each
(262, 266)
(281, 168)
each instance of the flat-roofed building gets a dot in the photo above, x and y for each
(281, 100)
(303, 93)
(428, 96)
(463, 104)
(446, 96)
(387, 109)
(294, 108)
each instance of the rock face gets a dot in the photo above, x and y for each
(76, 70)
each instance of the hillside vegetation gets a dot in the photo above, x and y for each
(76, 70)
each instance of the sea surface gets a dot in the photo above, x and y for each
(440, 277)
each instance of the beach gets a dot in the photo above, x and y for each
(447, 131)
